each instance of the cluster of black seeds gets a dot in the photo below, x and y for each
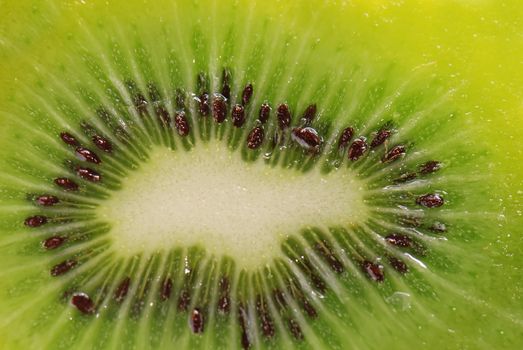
(217, 107)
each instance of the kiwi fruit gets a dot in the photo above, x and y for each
(260, 174)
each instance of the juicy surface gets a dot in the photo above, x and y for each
(473, 49)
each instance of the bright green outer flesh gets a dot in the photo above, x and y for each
(463, 58)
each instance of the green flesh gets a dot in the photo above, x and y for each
(448, 85)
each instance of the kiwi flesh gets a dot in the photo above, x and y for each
(232, 175)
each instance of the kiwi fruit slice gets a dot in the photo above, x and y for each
(244, 174)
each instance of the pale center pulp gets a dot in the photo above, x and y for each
(210, 197)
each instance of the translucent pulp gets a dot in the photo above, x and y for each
(210, 197)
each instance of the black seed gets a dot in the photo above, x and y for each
(438, 227)
(429, 167)
(197, 321)
(63, 267)
(398, 265)
(318, 282)
(47, 200)
(226, 87)
(357, 148)
(309, 114)
(380, 138)
(102, 143)
(265, 111)
(295, 329)
(242, 319)
(264, 317)
(247, 94)
(35, 221)
(181, 123)
(203, 104)
(345, 137)
(163, 115)
(88, 174)
(87, 155)
(394, 154)
(219, 109)
(165, 289)
(140, 103)
(121, 291)
(238, 115)
(430, 200)
(83, 303)
(69, 139)
(284, 116)
(66, 184)
(307, 137)
(329, 256)
(374, 271)
(255, 138)
(309, 309)
(53, 242)
(399, 240)
(183, 300)
(405, 178)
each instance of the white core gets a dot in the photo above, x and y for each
(212, 198)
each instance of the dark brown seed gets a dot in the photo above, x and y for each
(69, 139)
(430, 200)
(398, 265)
(284, 116)
(66, 184)
(429, 167)
(47, 200)
(264, 317)
(140, 102)
(295, 329)
(374, 271)
(399, 240)
(163, 115)
(242, 319)
(279, 298)
(226, 87)
(238, 115)
(35, 221)
(87, 155)
(380, 138)
(265, 111)
(63, 267)
(83, 303)
(219, 109)
(438, 227)
(203, 105)
(247, 94)
(103, 144)
(165, 289)
(197, 321)
(345, 137)
(53, 242)
(121, 291)
(357, 148)
(318, 282)
(329, 256)
(183, 300)
(309, 114)
(309, 309)
(394, 154)
(88, 174)
(255, 138)
(181, 123)
(307, 137)
(405, 178)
